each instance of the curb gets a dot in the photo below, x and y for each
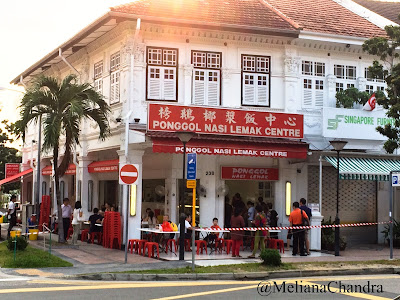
(233, 276)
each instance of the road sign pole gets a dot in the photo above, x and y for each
(391, 216)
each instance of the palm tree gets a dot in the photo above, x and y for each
(61, 107)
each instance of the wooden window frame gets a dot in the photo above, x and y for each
(243, 73)
(162, 65)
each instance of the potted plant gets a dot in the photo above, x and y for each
(328, 237)
(396, 233)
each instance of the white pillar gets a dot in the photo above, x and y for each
(134, 222)
(207, 175)
(84, 176)
(315, 233)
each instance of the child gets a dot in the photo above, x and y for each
(213, 235)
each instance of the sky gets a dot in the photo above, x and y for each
(30, 29)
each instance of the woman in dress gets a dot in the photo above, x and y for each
(259, 221)
(237, 221)
(76, 221)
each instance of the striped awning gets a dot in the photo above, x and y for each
(364, 168)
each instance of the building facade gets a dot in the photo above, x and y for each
(281, 62)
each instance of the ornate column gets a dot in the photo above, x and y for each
(331, 88)
(188, 73)
(292, 100)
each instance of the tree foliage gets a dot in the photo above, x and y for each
(348, 98)
(387, 68)
(61, 106)
(7, 154)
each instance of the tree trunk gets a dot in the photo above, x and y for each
(58, 196)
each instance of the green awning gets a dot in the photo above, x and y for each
(364, 168)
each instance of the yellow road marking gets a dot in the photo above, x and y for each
(354, 294)
(208, 293)
(120, 286)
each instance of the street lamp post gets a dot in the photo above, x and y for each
(184, 137)
(338, 146)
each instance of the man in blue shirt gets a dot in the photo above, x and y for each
(307, 210)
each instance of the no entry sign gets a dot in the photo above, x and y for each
(128, 174)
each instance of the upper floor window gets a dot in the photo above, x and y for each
(161, 73)
(255, 80)
(115, 60)
(206, 77)
(345, 76)
(373, 83)
(313, 78)
(98, 77)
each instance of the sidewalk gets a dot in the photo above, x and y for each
(92, 258)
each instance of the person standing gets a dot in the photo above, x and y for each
(66, 215)
(228, 213)
(273, 222)
(12, 214)
(259, 221)
(296, 219)
(251, 211)
(307, 210)
(76, 221)
(237, 221)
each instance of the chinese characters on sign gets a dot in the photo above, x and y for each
(11, 169)
(208, 120)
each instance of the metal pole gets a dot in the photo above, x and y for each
(128, 193)
(193, 225)
(37, 196)
(125, 187)
(181, 210)
(337, 220)
(391, 217)
(320, 184)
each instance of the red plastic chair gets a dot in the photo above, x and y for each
(96, 235)
(142, 245)
(84, 235)
(200, 244)
(169, 245)
(228, 245)
(70, 232)
(133, 243)
(275, 244)
(150, 246)
(187, 245)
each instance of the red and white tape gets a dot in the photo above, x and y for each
(301, 227)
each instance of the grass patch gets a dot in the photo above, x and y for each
(29, 258)
(239, 268)
(259, 267)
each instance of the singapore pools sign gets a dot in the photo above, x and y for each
(354, 123)
(208, 120)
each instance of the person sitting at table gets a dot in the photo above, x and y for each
(212, 236)
(94, 219)
(188, 227)
(152, 220)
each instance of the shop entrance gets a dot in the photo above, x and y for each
(250, 190)
(108, 192)
(153, 196)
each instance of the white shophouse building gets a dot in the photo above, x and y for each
(284, 59)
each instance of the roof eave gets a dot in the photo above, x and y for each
(118, 15)
(211, 25)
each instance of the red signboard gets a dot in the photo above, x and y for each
(231, 148)
(128, 174)
(210, 120)
(11, 169)
(244, 173)
(103, 166)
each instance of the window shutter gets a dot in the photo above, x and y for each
(249, 89)
(307, 97)
(199, 87)
(213, 82)
(262, 90)
(319, 98)
(169, 84)
(114, 89)
(154, 83)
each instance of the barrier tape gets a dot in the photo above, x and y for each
(301, 227)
